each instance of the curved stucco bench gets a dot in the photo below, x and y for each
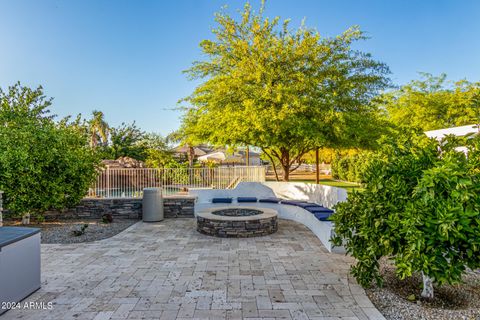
(298, 191)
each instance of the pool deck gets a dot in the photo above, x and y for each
(167, 270)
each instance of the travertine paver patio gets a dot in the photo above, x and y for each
(167, 270)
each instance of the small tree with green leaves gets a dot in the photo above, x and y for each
(43, 164)
(125, 141)
(156, 152)
(420, 208)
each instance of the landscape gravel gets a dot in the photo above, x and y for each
(62, 231)
(453, 302)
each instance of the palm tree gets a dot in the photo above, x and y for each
(98, 129)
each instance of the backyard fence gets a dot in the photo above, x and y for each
(130, 182)
(324, 168)
(312, 168)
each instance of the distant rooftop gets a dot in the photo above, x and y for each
(457, 131)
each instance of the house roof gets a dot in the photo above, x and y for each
(250, 153)
(219, 156)
(199, 150)
(124, 162)
(457, 131)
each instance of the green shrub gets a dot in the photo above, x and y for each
(420, 208)
(340, 167)
(362, 161)
(334, 166)
(350, 174)
(350, 167)
(43, 164)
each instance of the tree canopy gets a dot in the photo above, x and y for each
(125, 141)
(434, 103)
(283, 90)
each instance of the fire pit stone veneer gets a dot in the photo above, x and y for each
(238, 222)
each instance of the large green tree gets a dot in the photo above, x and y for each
(287, 91)
(434, 103)
(43, 164)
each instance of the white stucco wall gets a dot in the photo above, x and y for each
(324, 195)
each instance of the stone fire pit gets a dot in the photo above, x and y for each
(237, 222)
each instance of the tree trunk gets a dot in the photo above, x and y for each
(272, 163)
(427, 291)
(317, 167)
(276, 173)
(191, 155)
(26, 218)
(286, 172)
(285, 161)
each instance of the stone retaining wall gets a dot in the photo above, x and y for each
(125, 208)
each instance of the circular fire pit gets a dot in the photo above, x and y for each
(238, 222)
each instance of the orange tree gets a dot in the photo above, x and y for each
(420, 208)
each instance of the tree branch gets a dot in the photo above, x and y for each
(273, 164)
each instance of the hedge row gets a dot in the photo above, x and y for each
(351, 167)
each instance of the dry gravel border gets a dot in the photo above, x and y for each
(451, 302)
(61, 231)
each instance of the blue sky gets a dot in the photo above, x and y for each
(126, 57)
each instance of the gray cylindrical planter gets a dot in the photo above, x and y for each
(152, 205)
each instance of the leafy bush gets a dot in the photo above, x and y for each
(351, 167)
(325, 155)
(43, 164)
(338, 167)
(420, 208)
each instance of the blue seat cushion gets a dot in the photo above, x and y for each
(247, 199)
(270, 200)
(293, 202)
(322, 216)
(306, 205)
(222, 200)
(301, 204)
(319, 209)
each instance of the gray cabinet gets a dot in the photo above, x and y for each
(19, 263)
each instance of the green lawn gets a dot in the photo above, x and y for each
(334, 183)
